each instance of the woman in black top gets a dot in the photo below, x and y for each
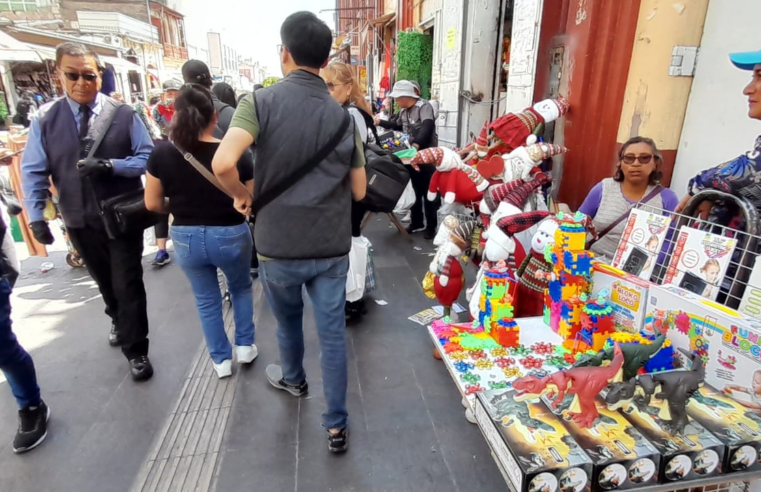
(208, 233)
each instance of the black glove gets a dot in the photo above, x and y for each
(41, 232)
(92, 166)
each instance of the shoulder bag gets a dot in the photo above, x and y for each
(653, 193)
(288, 181)
(125, 213)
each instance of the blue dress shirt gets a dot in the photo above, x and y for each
(35, 172)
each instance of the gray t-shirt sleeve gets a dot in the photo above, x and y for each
(427, 113)
(360, 122)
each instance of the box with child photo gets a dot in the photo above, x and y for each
(699, 261)
(641, 242)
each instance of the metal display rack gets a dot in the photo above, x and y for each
(729, 216)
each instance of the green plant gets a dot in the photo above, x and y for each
(269, 81)
(414, 57)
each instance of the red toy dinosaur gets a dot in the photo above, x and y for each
(585, 383)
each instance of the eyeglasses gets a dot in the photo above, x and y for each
(642, 159)
(332, 86)
(89, 77)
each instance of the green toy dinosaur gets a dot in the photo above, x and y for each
(636, 355)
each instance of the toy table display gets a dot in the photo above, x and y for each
(477, 363)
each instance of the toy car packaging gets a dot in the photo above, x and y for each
(691, 455)
(531, 446)
(628, 296)
(728, 341)
(738, 427)
(623, 458)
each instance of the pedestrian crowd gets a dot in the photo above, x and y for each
(196, 149)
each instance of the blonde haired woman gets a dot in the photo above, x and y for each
(344, 87)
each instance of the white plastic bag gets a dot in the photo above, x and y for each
(355, 280)
(406, 201)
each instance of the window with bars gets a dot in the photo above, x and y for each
(21, 5)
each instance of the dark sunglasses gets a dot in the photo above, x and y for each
(643, 159)
(89, 77)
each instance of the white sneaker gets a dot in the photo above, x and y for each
(246, 354)
(224, 369)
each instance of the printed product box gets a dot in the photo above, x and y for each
(623, 458)
(739, 428)
(641, 243)
(531, 446)
(727, 340)
(693, 455)
(699, 261)
(628, 296)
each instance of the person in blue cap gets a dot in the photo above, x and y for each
(742, 175)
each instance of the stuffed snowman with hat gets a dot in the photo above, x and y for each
(449, 276)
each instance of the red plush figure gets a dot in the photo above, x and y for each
(533, 273)
(457, 182)
(450, 279)
(482, 142)
(516, 129)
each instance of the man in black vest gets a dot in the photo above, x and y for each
(303, 236)
(59, 140)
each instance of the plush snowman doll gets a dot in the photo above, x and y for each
(531, 286)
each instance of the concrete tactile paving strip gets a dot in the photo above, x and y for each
(186, 450)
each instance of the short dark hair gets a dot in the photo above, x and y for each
(194, 111)
(655, 176)
(307, 38)
(75, 49)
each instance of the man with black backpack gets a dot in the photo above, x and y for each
(309, 165)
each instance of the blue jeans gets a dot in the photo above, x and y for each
(325, 282)
(15, 362)
(200, 251)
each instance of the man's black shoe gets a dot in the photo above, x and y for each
(32, 429)
(429, 234)
(338, 442)
(113, 338)
(275, 378)
(141, 368)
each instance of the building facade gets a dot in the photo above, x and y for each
(223, 61)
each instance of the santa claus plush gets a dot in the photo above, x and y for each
(523, 161)
(450, 278)
(516, 129)
(454, 180)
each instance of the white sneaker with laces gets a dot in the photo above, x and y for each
(246, 353)
(224, 369)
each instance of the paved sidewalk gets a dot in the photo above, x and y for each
(186, 430)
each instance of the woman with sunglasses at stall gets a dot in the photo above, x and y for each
(636, 180)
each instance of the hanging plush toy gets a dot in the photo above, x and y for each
(482, 142)
(532, 274)
(445, 229)
(502, 246)
(516, 129)
(507, 199)
(521, 162)
(450, 278)
(455, 181)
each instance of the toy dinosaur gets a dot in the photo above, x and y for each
(575, 453)
(636, 355)
(517, 410)
(601, 455)
(567, 485)
(609, 480)
(585, 383)
(709, 402)
(675, 387)
(534, 463)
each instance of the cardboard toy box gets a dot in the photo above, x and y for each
(623, 458)
(739, 428)
(641, 242)
(727, 340)
(694, 455)
(628, 296)
(531, 445)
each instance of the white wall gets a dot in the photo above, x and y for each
(716, 127)
(527, 15)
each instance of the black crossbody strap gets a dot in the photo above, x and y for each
(275, 191)
(102, 124)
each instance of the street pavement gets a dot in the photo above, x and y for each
(186, 430)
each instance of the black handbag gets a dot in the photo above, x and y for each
(126, 213)
(387, 177)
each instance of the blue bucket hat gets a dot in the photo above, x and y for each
(747, 60)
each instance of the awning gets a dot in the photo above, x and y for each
(383, 20)
(45, 52)
(122, 65)
(12, 49)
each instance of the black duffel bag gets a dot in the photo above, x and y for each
(387, 177)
